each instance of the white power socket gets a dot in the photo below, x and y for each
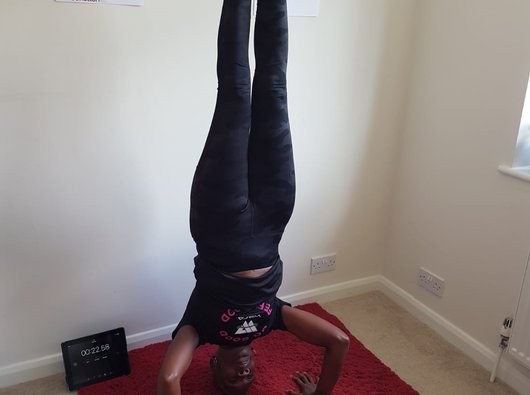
(325, 263)
(431, 282)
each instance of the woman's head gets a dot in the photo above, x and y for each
(233, 369)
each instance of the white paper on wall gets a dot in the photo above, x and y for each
(303, 7)
(117, 2)
(298, 7)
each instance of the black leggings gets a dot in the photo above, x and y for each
(243, 190)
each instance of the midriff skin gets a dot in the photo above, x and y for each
(255, 273)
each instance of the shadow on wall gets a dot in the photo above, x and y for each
(346, 135)
(363, 235)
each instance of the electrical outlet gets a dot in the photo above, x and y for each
(431, 282)
(324, 263)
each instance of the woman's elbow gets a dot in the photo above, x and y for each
(167, 382)
(341, 340)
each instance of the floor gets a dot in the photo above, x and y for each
(414, 351)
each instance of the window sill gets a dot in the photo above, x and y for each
(522, 173)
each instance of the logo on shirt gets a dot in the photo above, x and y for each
(247, 327)
(244, 326)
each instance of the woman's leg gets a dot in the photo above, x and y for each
(271, 167)
(220, 187)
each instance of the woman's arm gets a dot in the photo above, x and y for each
(317, 331)
(177, 361)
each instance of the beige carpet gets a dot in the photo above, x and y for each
(414, 351)
(411, 349)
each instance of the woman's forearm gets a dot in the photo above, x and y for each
(332, 366)
(317, 331)
(177, 360)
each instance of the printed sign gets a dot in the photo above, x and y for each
(117, 2)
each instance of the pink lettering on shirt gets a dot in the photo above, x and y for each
(225, 317)
(266, 307)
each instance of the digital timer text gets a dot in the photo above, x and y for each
(94, 350)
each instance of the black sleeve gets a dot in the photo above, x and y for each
(188, 319)
(278, 320)
(183, 322)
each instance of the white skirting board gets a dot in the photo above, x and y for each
(510, 372)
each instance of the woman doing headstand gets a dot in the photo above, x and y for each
(241, 200)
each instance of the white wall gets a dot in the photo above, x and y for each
(454, 213)
(103, 114)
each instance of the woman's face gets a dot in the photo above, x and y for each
(234, 369)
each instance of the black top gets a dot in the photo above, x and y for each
(233, 311)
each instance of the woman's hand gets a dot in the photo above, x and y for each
(305, 383)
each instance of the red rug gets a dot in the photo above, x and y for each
(278, 355)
